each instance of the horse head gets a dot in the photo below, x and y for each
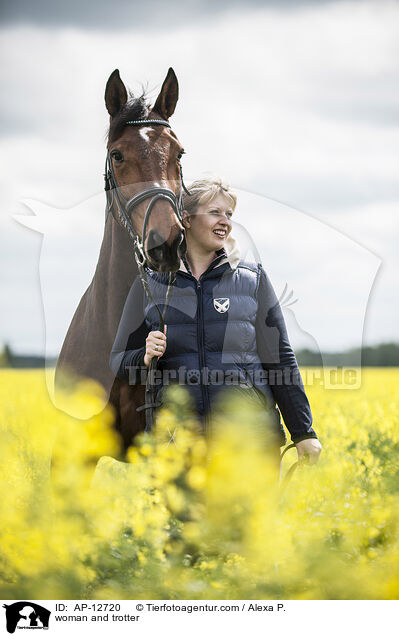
(143, 172)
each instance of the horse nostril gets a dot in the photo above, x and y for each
(164, 257)
(156, 255)
(154, 241)
(156, 248)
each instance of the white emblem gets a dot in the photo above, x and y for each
(221, 304)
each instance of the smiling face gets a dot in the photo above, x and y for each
(210, 225)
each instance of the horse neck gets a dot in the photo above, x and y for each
(115, 273)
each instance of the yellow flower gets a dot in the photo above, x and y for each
(196, 477)
(189, 517)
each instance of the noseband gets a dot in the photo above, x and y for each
(126, 206)
(124, 209)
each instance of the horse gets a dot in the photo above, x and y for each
(142, 150)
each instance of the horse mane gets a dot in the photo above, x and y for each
(135, 108)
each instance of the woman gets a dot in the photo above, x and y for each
(224, 323)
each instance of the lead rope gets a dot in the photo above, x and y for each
(150, 404)
(283, 482)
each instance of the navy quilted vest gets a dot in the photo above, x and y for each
(211, 336)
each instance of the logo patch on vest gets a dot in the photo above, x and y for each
(221, 304)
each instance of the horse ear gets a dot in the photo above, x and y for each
(115, 93)
(167, 98)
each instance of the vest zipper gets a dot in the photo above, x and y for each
(201, 350)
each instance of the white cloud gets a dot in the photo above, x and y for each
(298, 105)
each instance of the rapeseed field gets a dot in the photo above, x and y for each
(185, 518)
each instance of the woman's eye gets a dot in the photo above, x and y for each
(228, 214)
(117, 155)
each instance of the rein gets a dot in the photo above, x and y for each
(284, 481)
(150, 404)
(124, 208)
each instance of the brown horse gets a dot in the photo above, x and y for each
(141, 157)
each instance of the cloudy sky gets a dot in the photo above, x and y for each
(295, 103)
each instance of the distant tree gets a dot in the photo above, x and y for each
(6, 356)
(385, 354)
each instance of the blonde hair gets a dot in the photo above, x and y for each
(204, 190)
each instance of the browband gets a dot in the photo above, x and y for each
(137, 122)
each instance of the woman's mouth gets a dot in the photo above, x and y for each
(220, 233)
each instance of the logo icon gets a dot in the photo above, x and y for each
(26, 615)
(221, 304)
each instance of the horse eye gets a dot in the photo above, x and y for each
(117, 155)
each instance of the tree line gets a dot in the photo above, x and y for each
(385, 354)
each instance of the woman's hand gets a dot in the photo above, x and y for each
(308, 450)
(155, 346)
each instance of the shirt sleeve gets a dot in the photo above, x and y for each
(278, 359)
(127, 355)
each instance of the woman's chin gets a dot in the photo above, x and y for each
(218, 243)
(215, 244)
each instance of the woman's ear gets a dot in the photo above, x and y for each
(186, 219)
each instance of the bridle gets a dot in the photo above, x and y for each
(124, 208)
